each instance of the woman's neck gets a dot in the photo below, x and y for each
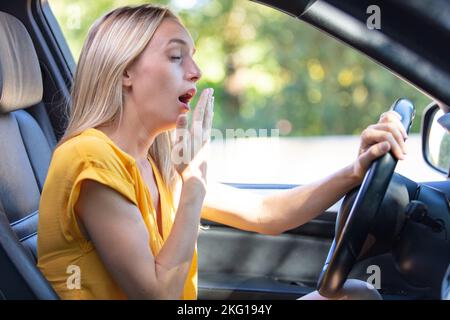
(131, 138)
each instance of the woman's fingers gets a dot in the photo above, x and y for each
(180, 149)
(375, 151)
(394, 130)
(393, 117)
(389, 129)
(181, 127)
(208, 119)
(378, 139)
(198, 119)
(199, 111)
(373, 136)
(189, 149)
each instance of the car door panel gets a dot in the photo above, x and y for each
(236, 264)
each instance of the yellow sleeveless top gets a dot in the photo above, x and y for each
(66, 258)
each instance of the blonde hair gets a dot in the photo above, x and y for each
(113, 43)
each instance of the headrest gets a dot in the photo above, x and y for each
(20, 74)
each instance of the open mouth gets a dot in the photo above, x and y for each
(186, 97)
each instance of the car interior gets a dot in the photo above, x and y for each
(27, 142)
(408, 240)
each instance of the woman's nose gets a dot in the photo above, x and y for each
(194, 74)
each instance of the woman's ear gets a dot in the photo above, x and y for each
(126, 78)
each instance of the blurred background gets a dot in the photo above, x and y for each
(272, 71)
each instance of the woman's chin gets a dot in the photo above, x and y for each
(171, 125)
(184, 107)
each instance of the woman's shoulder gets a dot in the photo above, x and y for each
(90, 146)
(83, 144)
(92, 156)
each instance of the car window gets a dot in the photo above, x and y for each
(290, 101)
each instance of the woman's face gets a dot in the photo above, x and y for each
(160, 83)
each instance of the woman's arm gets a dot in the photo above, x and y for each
(288, 209)
(277, 212)
(117, 230)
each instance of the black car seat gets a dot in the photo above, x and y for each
(26, 144)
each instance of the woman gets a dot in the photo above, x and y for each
(109, 195)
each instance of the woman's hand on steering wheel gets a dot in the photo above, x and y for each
(378, 139)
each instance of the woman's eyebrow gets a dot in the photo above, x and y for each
(180, 41)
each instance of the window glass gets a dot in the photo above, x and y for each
(297, 98)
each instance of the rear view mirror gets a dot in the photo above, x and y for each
(436, 139)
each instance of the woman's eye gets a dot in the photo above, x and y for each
(175, 58)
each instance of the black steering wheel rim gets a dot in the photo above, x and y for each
(347, 245)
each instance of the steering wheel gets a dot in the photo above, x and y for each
(347, 245)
